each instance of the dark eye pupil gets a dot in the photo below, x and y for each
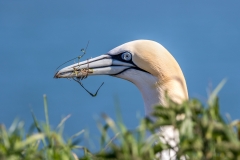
(126, 56)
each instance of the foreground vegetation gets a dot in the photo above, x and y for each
(204, 135)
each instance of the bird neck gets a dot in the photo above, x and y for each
(148, 86)
(152, 95)
(153, 92)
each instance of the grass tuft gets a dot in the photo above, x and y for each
(203, 135)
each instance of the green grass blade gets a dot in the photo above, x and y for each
(215, 92)
(46, 111)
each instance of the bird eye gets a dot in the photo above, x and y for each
(126, 56)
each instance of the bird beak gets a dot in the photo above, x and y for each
(101, 65)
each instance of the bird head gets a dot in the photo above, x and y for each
(145, 63)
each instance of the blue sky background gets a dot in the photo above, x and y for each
(37, 36)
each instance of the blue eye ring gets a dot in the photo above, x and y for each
(126, 56)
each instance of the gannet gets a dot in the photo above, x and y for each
(145, 63)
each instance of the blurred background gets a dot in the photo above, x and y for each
(37, 36)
